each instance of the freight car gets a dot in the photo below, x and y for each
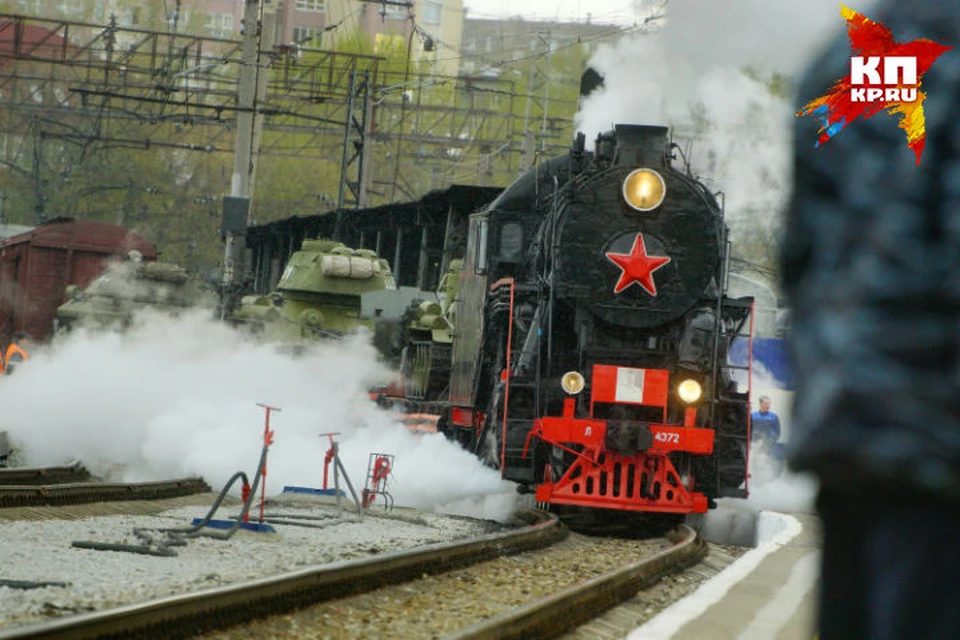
(589, 360)
(37, 266)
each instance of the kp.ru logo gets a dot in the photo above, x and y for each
(885, 75)
(865, 74)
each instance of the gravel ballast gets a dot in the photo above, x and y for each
(41, 551)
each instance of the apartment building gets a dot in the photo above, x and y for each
(488, 45)
(431, 29)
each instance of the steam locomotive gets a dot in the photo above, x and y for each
(589, 360)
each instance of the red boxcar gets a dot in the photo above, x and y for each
(37, 266)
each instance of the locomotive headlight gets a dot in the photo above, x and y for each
(689, 391)
(572, 382)
(644, 189)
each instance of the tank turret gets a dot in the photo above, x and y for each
(318, 295)
(425, 361)
(133, 285)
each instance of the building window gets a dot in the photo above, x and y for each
(431, 12)
(303, 35)
(219, 25)
(311, 5)
(395, 12)
(31, 7)
(72, 9)
(130, 17)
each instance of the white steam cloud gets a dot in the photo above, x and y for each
(772, 486)
(178, 397)
(707, 73)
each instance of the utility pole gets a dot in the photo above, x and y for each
(356, 149)
(546, 91)
(528, 145)
(258, 35)
(173, 19)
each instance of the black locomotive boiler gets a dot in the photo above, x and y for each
(590, 354)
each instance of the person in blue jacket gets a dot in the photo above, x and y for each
(765, 424)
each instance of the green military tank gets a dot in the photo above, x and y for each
(318, 296)
(428, 327)
(112, 300)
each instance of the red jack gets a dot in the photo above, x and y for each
(331, 454)
(379, 469)
(267, 441)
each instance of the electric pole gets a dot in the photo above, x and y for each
(546, 90)
(258, 36)
(528, 144)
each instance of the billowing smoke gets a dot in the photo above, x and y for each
(720, 74)
(178, 397)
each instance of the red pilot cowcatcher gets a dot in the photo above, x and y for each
(603, 477)
(637, 267)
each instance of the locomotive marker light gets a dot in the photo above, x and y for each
(644, 189)
(689, 391)
(572, 382)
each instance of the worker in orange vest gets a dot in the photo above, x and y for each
(16, 352)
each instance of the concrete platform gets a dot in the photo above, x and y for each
(769, 593)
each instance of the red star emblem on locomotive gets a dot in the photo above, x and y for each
(637, 267)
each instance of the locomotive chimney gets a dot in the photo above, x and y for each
(641, 145)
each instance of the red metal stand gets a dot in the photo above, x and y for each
(330, 455)
(267, 441)
(378, 470)
(244, 496)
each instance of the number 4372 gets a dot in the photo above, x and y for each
(667, 437)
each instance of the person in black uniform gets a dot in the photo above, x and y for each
(871, 267)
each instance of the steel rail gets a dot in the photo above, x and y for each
(73, 472)
(191, 614)
(565, 610)
(20, 495)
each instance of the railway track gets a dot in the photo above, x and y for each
(537, 614)
(73, 472)
(72, 484)
(190, 614)
(560, 612)
(539, 594)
